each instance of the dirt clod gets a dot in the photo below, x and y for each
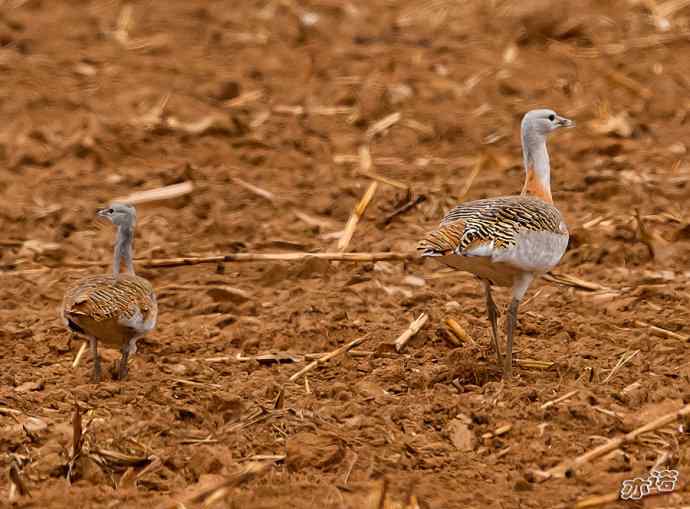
(462, 437)
(308, 450)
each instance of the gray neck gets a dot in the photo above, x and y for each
(536, 157)
(537, 167)
(123, 250)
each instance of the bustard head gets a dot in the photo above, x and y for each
(120, 214)
(544, 121)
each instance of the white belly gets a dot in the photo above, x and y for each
(534, 252)
(499, 274)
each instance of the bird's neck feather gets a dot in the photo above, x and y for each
(123, 250)
(537, 168)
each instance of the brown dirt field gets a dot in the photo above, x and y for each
(101, 99)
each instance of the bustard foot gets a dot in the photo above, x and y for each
(492, 311)
(122, 369)
(96, 374)
(512, 320)
(121, 373)
(508, 368)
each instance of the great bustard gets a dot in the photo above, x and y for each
(508, 241)
(115, 309)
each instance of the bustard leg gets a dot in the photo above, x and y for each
(520, 286)
(493, 317)
(512, 320)
(96, 375)
(129, 348)
(122, 367)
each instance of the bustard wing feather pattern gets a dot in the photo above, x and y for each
(481, 227)
(102, 298)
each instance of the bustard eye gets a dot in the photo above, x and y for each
(552, 117)
(110, 211)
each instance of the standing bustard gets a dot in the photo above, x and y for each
(116, 309)
(508, 241)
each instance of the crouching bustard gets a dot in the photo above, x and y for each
(116, 309)
(508, 241)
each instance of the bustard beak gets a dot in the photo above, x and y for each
(565, 122)
(102, 212)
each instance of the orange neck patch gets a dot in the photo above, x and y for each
(534, 186)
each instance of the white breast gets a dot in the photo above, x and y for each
(137, 323)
